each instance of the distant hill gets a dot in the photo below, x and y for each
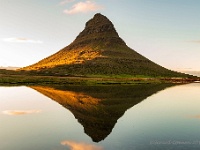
(194, 73)
(98, 50)
(10, 68)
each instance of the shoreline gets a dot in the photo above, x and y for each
(77, 80)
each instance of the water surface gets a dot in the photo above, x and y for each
(100, 117)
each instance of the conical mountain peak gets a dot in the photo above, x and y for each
(99, 20)
(98, 50)
(99, 27)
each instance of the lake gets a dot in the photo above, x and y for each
(136, 117)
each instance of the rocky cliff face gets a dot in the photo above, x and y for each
(99, 25)
(99, 28)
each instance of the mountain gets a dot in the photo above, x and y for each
(97, 108)
(98, 50)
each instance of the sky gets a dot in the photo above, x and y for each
(165, 31)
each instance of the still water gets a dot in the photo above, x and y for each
(138, 117)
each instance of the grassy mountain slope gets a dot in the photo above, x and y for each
(98, 50)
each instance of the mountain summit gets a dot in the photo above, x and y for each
(98, 50)
(98, 28)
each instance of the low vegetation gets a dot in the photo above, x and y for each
(24, 79)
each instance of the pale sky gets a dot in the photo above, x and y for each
(165, 31)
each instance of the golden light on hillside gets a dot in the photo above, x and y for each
(75, 56)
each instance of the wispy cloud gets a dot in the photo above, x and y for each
(80, 146)
(195, 41)
(83, 7)
(21, 40)
(20, 112)
(197, 116)
(65, 2)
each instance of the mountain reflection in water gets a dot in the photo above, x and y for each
(97, 108)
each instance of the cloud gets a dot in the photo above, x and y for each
(20, 112)
(83, 7)
(21, 40)
(66, 1)
(80, 146)
(197, 116)
(195, 41)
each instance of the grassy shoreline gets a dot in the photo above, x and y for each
(78, 80)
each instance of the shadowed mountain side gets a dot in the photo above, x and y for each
(98, 50)
(98, 108)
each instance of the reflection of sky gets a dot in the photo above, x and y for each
(12, 98)
(43, 130)
(80, 146)
(20, 112)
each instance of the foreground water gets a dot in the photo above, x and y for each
(136, 117)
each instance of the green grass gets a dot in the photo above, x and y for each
(120, 76)
(92, 80)
(8, 77)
